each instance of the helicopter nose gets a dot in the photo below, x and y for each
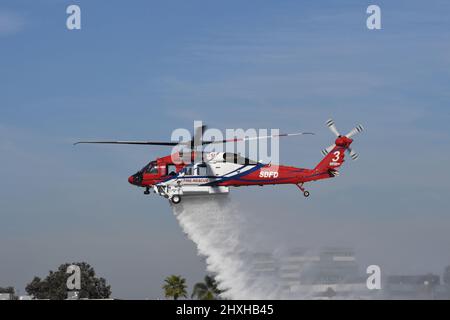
(136, 179)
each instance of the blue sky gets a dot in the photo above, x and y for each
(139, 70)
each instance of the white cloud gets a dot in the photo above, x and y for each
(10, 23)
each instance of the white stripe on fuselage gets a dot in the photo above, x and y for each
(215, 173)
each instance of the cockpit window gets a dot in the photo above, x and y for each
(151, 168)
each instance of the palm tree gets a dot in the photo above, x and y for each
(206, 290)
(175, 287)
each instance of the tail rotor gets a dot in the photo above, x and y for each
(358, 129)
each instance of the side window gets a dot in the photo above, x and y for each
(189, 171)
(201, 170)
(171, 169)
(230, 157)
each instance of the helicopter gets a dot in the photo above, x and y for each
(193, 172)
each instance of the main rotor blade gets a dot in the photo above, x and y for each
(194, 142)
(155, 143)
(332, 127)
(257, 137)
(359, 128)
(198, 136)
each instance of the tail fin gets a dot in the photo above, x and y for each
(334, 154)
(333, 160)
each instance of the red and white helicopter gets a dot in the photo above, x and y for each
(203, 173)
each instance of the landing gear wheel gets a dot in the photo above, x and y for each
(305, 193)
(147, 191)
(176, 199)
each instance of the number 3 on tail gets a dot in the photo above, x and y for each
(337, 155)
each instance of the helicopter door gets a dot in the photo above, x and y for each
(196, 170)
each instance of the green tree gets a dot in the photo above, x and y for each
(175, 287)
(54, 286)
(206, 290)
